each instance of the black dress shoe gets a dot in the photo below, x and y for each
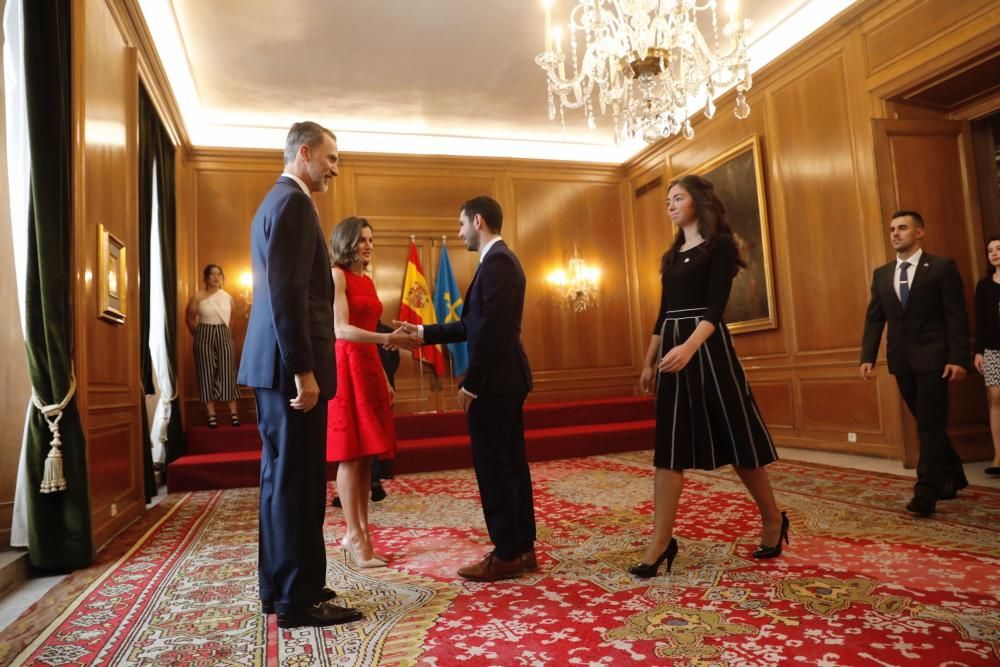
(920, 506)
(317, 615)
(267, 606)
(378, 493)
(993, 470)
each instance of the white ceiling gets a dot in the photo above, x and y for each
(407, 76)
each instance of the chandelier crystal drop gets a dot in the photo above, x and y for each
(645, 59)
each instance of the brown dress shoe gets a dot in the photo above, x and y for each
(529, 561)
(492, 568)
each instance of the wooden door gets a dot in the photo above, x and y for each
(929, 166)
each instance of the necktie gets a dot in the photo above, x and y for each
(904, 283)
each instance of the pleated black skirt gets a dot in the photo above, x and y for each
(705, 415)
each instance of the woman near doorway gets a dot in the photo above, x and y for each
(208, 316)
(988, 342)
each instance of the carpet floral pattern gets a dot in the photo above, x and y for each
(862, 583)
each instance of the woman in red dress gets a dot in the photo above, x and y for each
(359, 422)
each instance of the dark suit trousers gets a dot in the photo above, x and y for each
(292, 555)
(926, 394)
(496, 426)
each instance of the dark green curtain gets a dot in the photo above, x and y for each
(148, 145)
(156, 147)
(59, 523)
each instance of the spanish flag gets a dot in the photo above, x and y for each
(417, 307)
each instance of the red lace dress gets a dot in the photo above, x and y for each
(359, 422)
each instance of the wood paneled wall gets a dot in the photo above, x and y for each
(106, 355)
(548, 207)
(813, 110)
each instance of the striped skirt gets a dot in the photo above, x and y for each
(213, 357)
(705, 414)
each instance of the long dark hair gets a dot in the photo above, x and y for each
(990, 269)
(712, 223)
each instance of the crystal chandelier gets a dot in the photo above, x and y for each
(646, 59)
(577, 285)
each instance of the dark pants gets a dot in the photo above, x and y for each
(926, 394)
(496, 426)
(292, 556)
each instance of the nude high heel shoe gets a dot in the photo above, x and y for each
(354, 553)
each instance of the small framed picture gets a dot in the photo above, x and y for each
(112, 276)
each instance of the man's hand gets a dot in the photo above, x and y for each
(979, 364)
(400, 339)
(866, 371)
(953, 372)
(464, 400)
(305, 384)
(407, 327)
(392, 394)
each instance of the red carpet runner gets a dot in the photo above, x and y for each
(861, 584)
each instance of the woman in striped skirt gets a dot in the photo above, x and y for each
(208, 314)
(705, 414)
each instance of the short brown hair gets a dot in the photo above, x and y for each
(344, 241)
(305, 132)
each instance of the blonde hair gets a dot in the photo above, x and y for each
(344, 241)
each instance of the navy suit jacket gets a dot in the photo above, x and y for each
(931, 331)
(291, 323)
(491, 323)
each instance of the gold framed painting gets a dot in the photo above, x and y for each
(112, 277)
(738, 177)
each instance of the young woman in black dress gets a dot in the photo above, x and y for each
(705, 414)
(987, 358)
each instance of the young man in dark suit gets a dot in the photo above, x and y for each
(921, 298)
(493, 390)
(288, 359)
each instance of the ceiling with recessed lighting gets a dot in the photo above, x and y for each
(421, 76)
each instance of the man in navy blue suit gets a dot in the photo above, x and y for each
(288, 358)
(493, 390)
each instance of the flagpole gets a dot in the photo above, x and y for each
(451, 359)
(420, 363)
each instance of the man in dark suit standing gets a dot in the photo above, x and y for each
(493, 391)
(288, 359)
(921, 298)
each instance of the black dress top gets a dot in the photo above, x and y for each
(700, 277)
(987, 315)
(706, 416)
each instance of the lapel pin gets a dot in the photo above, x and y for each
(687, 259)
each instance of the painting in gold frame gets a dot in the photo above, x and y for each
(112, 277)
(738, 177)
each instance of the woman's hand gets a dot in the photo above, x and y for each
(647, 379)
(979, 364)
(676, 359)
(392, 394)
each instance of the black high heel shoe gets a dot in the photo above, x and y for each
(770, 552)
(645, 571)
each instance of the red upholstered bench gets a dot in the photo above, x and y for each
(229, 458)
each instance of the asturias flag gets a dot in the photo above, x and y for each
(416, 307)
(448, 304)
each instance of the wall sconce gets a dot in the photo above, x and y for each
(578, 284)
(246, 284)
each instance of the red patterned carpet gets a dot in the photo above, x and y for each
(861, 584)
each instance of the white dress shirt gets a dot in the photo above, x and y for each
(914, 261)
(298, 180)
